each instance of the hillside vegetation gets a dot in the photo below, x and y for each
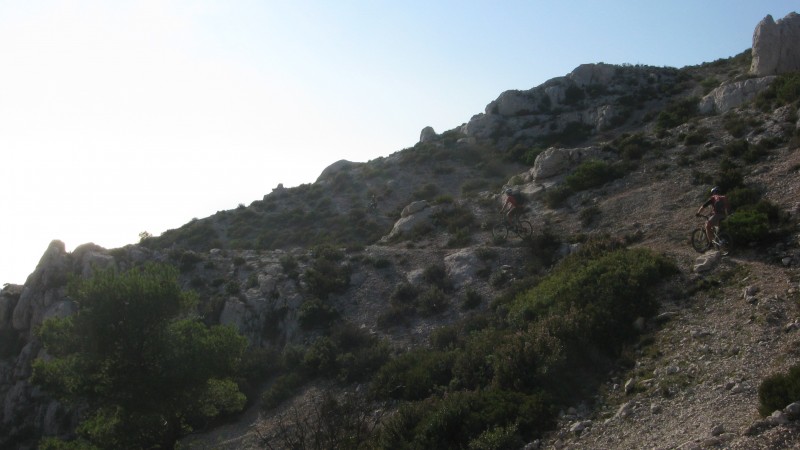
(387, 328)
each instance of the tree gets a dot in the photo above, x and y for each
(145, 372)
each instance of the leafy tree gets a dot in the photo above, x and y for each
(144, 372)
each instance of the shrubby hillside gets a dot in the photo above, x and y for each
(333, 324)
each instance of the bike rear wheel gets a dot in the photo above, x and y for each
(699, 240)
(723, 242)
(500, 231)
(524, 229)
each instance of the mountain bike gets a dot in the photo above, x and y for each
(521, 228)
(722, 240)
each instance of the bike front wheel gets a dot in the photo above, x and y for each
(699, 240)
(524, 229)
(500, 231)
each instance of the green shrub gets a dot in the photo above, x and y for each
(432, 301)
(498, 438)
(696, 138)
(747, 226)
(462, 417)
(779, 390)
(326, 277)
(677, 113)
(556, 197)
(472, 299)
(592, 174)
(315, 313)
(413, 375)
(632, 146)
(283, 388)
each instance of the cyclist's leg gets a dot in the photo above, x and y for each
(711, 223)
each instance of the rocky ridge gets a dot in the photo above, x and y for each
(693, 387)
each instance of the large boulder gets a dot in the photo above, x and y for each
(776, 46)
(591, 74)
(462, 266)
(731, 95)
(556, 161)
(427, 134)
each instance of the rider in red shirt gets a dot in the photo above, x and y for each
(719, 207)
(512, 204)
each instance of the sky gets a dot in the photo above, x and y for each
(122, 117)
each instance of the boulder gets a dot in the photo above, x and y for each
(335, 168)
(731, 95)
(414, 208)
(462, 267)
(556, 161)
(776, 46)
(483, 126)
(514, 103)
(589, 74)
(707, 261)
(427, 134)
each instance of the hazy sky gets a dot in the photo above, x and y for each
(118, 117)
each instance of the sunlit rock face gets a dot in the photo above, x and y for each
(776, 46)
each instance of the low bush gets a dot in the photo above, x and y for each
(779, 390)
(747, 225)
(677, 113)
(462, 419)
(592, 174)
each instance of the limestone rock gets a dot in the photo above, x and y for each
(414, 208)
(339, 166)
(462, 266)
(427, 134)
(731, 95)
(556, 161)
(589, 74)
(707, 261)
(776, 46)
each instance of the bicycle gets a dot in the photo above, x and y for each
(722, 240)
(521, 228)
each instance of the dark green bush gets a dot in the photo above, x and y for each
(315, 313)
(779, 390)
(747, 225)
(326, 277)
(592, 174)
(677, 113)
(632, 146)
(556, 197)
(462, 417)
(413, 375)
(283, 388)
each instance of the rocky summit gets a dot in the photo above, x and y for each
(388, 299)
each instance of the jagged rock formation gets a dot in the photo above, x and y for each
(776, 46)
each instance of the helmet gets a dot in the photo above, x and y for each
(714, 190)
(508, 191)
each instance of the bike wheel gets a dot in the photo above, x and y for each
(724, 242)
(524, 229)
(500, 231)
(699, 240)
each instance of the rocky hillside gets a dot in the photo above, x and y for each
(621, 154)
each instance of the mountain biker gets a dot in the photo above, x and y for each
(513, 206)
(719, 207)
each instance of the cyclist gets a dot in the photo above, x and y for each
(719, 207)
(513, 206)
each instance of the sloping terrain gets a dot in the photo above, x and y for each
(286, 267)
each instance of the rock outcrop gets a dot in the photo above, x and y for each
(732, 95)
(427, 134)
(776, 46)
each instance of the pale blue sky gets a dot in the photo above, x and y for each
(128, 116)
